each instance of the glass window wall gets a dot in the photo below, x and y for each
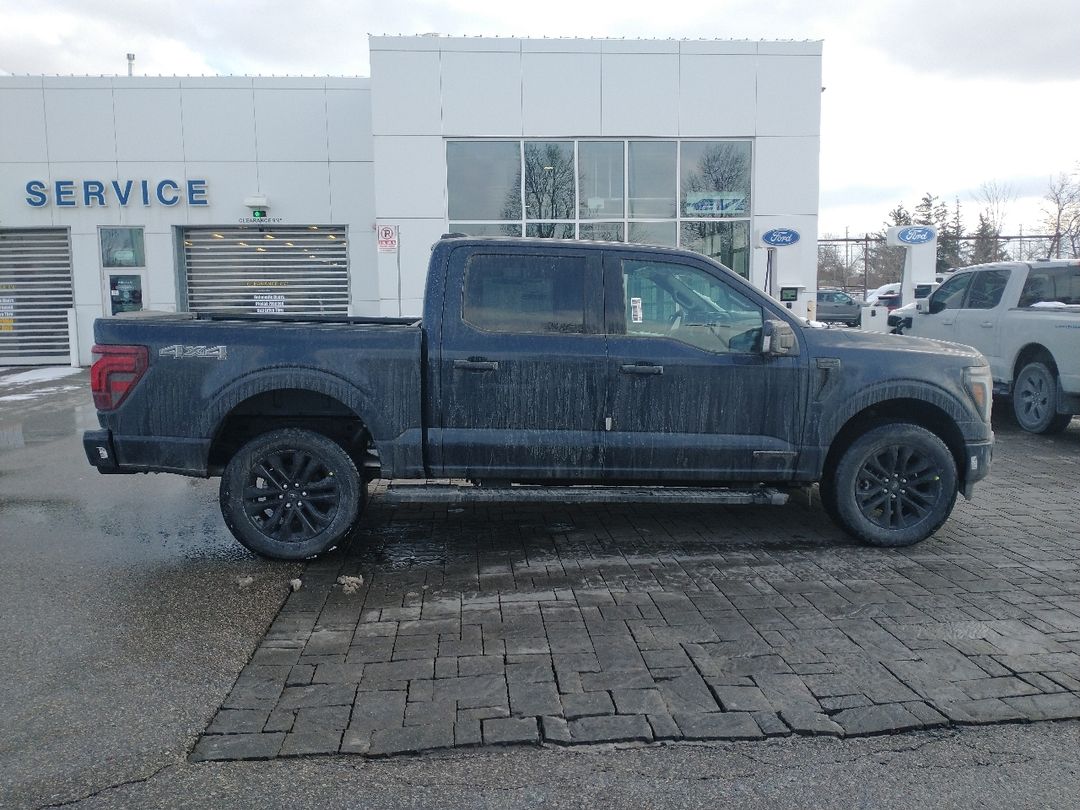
(693, 193)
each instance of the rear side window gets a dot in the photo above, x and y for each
(986, 289)
(1053, 284)
(505, 292)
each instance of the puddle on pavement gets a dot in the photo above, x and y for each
(39, 428)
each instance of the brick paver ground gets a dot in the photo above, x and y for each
(492, 624)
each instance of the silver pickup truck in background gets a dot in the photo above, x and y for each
(1025, 319)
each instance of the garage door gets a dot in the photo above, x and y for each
(302, 269)
(35, 295)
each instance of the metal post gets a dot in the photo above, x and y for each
(865, 265)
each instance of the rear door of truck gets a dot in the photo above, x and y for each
(521, 364)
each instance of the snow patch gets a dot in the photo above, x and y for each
(36, 375)
(350, 585)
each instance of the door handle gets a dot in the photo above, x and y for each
(987, 324)
(641, 368)
(476, 365)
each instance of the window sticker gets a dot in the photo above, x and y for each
(635, 310)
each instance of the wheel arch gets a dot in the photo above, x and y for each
(1031, 353)
(307, 398)
(909, 410)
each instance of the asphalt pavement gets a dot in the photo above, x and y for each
(128, 615)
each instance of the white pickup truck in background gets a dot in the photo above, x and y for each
(1025, 318)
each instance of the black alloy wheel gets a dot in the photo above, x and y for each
(894, 485)
(290, 494)
(897, 486)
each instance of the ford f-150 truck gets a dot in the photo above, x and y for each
(543, 362)
(1024, 317)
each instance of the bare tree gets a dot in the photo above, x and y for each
(994, 198)
(1062, 212)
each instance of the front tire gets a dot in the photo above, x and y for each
(893, 486)
(1035, 400)
(290, 494)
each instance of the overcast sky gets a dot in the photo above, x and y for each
(922, 95)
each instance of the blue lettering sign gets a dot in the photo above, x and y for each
(172, 199)
(779, 237)
(65, 193)
(122, 197)
(35, 194)
(93, 190)
(196, 192)
(916, 235)
(97, 193)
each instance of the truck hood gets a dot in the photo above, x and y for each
(843, 341)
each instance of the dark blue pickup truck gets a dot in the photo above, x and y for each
(546, 363)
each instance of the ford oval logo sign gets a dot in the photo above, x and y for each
(778, 237)
(917, 235)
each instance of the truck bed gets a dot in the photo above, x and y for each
(204, 368)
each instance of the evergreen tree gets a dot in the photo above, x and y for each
(987, 247)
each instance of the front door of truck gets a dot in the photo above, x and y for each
(522, 364)
(691, 395)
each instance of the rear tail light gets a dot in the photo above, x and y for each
(116, 370)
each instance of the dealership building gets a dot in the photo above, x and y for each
(324, 195)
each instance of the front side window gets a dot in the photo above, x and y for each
(987, 288)
(506, 292)
(122, 247)
(950, 295)
(669, 300)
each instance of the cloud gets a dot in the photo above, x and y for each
(1035, 40)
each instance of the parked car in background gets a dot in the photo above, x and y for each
(900, 318)
(1025, 318)
(836, 306)
(873, 295)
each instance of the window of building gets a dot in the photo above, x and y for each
(693, 194)
(483, 179)
(600, 174)
(521, 293)
(122, 247)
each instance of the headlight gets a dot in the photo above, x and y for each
(980, 387)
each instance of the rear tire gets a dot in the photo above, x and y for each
(1035, 400)
(893, 486)
(290, 494)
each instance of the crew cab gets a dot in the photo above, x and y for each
(543, 362)
(1024, 317)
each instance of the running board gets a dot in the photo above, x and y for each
(404, 492)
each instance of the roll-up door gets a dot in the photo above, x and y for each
(302, 269)
(35, 295)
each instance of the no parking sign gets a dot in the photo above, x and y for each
(388, 238)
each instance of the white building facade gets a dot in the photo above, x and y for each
(266, 195)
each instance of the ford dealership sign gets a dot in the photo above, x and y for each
(916, 235)
(780, 237)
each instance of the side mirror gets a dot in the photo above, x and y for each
(922, 305)
(778, 339)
